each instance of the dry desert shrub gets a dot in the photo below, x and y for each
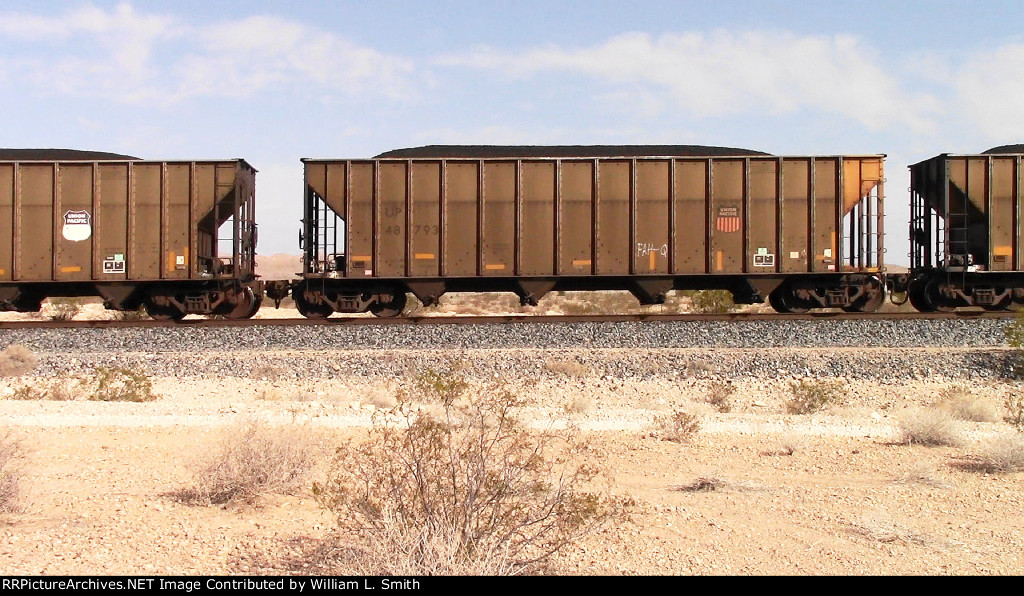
(929, 426)
(105, 384)
(880, 527)
(467, 489)
(580, 404)
(569, 368)
(138, 314)
(959, 401)
(267, 372)
(700, 368)
(703, 484)
(11, 452)
(720, 394)
(1004, 453)
(597, 303)
(1015, 411)
(252, 459)
(922, 474)
(293, 394)
(16, 360)
(811, 395)
(380, 400)
(64, 309)
(121, 384)
(789, 444)
(50, 389)
(679, 427)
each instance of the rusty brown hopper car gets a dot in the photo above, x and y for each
(967, 248)
(804, 232)
(133, 232)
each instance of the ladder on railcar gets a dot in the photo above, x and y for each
(320, 236)
(955, 237)
(862, 234)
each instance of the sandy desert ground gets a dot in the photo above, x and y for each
(829, 493)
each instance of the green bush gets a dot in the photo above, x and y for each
(811, 395)
(437, 386)
(121, 384)
(712, 302)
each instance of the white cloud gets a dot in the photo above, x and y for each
(723, 73)
(989, 87)
(266, 52)
(125, 56)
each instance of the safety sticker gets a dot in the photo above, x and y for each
(114, 264)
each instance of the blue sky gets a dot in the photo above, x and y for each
(277, 81)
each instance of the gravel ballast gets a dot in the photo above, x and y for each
(958, 348)
(949, 333)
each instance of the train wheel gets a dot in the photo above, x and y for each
(776, 301)
(917, 299)
(310, 310)
(246, 306)
(868, 302)
(791, 302)
(933, 295)
(390, 309)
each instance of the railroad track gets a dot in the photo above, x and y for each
(504, 319)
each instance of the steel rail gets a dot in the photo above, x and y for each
(505, 319)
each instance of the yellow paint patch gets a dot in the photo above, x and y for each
(653, 256)
(424, 255)
(581, 263)
(360, 258)
(718, 260)
(1003, 251)
(495, 267)
(70, 269)
(2, 271)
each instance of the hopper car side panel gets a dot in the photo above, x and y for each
(377, 228)
(966, 240)
(132, 232)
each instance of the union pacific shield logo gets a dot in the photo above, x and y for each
(728, 219)
(77, 226)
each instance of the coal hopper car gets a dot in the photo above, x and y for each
(178, 237)
(802, 232)
(967, 248)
